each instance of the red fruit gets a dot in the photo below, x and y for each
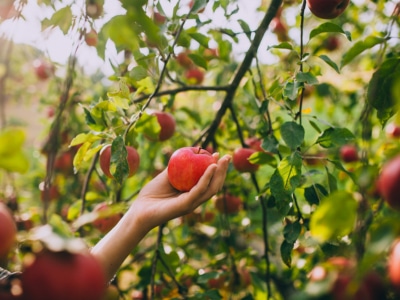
(8, 231)
(52, 193)
(43, 69)
(388, 183)
(167, 124)
(331, 43)
(63, 276)
(105, 224)
(159, 19)
(227, 203)
(280, 29)
(187, 165)
(241, 161)
(254, 143)
(327, 9)
(132, 158)
(194, 76)
(210, 53)
(184, 60)
(64, 162)
(349, 153)
(394, 265)
(91, 38)
(393, 130)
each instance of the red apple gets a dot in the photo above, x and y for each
(394, 264)
(393, 130)
(194, 75)
(187, 165)
(8, 231)
(167, 124)
(240, 160)
(331, 43)
(388, 183)
(63, 276)
(159, 19)
(133, 160)
(91, 38)
(64, 162)
(105, 224)
(43, 69)
(184, 60)
(52, 193)
(349, 153)
(327, 9)
(254, 143)
(228, 204)
(280, 29)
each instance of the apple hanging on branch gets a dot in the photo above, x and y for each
(8, 231)
(388, 183)
(240, 160)
(187, 165)
(327, 9)
(133, 160)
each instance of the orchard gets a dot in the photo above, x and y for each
(99, 98)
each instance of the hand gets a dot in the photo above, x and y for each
(159, 202)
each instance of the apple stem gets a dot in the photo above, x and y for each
(198, 150)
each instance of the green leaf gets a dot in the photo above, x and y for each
(12, 158)
(119, 167)
(198, 60)
(263, 158)
(85, 137)
(291, 90)
(245, 28)
(335, 137)
(360, 47)
(200, 38)
(138, 73)
(292, 231)
(380, 89)
(286, 252)
(62, 18)
(80, 154)
(331, 63)
(283, 45)
(286, 177)
(334, 218)
(329, 27)
(306, 77)
(293, 134)
(314, 193)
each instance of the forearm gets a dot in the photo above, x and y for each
(115, 246)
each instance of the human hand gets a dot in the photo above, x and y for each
(158, 202)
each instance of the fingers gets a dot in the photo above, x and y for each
(211, 182)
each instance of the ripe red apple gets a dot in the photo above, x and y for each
(184, 60)
(133, 160)
(393, 130)
(105, 224)
(240, 160)
(64, 162)
(63, 276)
(43, 69)
(394, 264)
(331, 43)
(91, 38)
(8, 231)
(167, 124)
(349, 153)
(187, 165)
(254, 143)
(388, 183)
(327, 9)
(228, 203)
(194, 75)
(280, 29)
(159, 19)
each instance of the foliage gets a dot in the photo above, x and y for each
(302, 99)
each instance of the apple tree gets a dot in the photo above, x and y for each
(304, 96)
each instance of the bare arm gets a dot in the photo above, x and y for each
(157, 203)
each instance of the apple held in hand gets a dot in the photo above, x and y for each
(8, 231)
(388, 183)
(63, 276)
(240, 160)
(187, 165)
(132, 158)
(327, 9)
